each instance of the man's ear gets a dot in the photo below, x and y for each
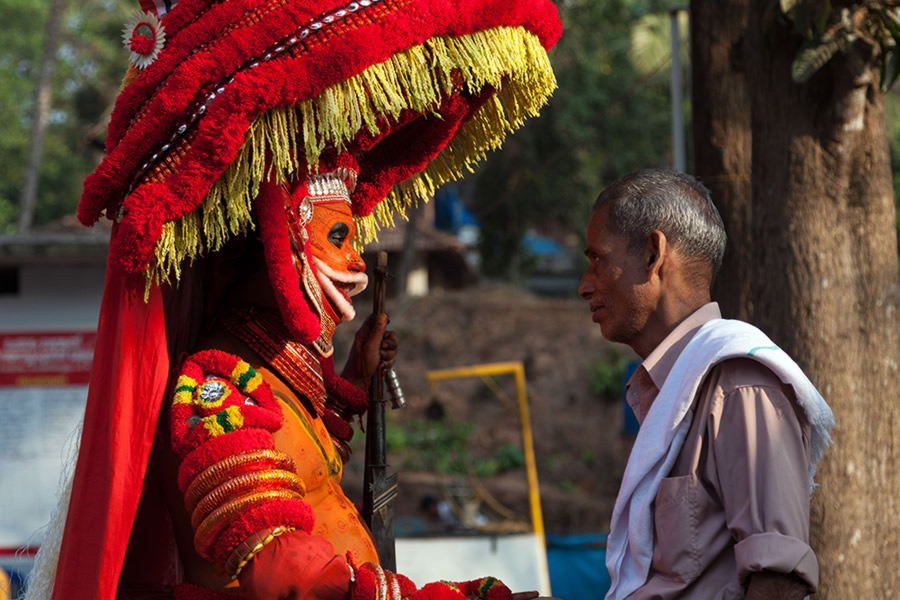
(655, 252)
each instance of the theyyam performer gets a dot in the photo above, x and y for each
(255, 145)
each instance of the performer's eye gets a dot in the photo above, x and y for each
(338, 233)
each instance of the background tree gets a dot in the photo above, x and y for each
(824, 280)
(91, 60)
(609, 116)
(41, 113)
(721, 130)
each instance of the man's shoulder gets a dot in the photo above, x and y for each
(743, 378)
(722, 347)
(738, 353)
(741, 371)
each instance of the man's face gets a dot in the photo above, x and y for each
(339, 268)
(614, 283)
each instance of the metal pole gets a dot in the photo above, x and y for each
(518, 370)
(534, 494)
(678, 153)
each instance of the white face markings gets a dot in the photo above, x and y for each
(340, 286)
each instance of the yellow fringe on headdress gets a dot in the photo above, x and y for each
(508, 59)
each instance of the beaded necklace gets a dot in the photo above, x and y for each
(265, 334)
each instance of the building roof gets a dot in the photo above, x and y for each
(62, 242)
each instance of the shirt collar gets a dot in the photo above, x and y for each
(650, 376)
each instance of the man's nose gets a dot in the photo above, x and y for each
(585, 287)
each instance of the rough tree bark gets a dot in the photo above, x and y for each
(721, 130)
(826, 287)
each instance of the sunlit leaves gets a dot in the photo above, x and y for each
(651, 42)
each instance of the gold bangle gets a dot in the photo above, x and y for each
(250, 547)
(221, 471)
(212, 526)
(242, 483)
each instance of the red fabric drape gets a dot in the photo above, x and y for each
(128, 381)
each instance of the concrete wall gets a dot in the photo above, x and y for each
(54, 298)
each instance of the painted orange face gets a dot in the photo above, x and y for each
(339, 267)
(331, 232)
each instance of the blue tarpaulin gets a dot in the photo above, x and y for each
(577, 566)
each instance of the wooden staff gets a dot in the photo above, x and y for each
(380, 489)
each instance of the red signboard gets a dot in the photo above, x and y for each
(46, 359)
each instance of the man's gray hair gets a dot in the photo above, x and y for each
(672, 202)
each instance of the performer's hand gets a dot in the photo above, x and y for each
(373, 346)
(296, 565)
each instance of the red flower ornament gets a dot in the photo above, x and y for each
(144, 36)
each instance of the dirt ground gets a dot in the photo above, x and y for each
(579, 443)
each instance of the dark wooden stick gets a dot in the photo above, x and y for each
(380, 489)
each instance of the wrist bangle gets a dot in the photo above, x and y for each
(384, 587)
(250, 547)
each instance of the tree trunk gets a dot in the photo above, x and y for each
(721, 132)
(43, 94)
(408, 252)
(826, 286)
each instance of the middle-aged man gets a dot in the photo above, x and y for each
(714, 502)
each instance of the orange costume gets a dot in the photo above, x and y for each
(266, 439)
(253, 144)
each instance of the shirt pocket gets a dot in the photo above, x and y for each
(677, 553)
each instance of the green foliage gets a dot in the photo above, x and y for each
(607, 375)
(446, 447)
(509, 457)
(651, 44)
(608, 117)
(892, 102)
(889, 48)
(589, 457)
(809, 17)
(555, 459)
(90, 62)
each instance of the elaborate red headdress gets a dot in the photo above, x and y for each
(416, 90)
(225, 102)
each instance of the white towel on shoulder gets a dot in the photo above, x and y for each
(630, 544)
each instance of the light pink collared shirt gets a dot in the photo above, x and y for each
(737, 500)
